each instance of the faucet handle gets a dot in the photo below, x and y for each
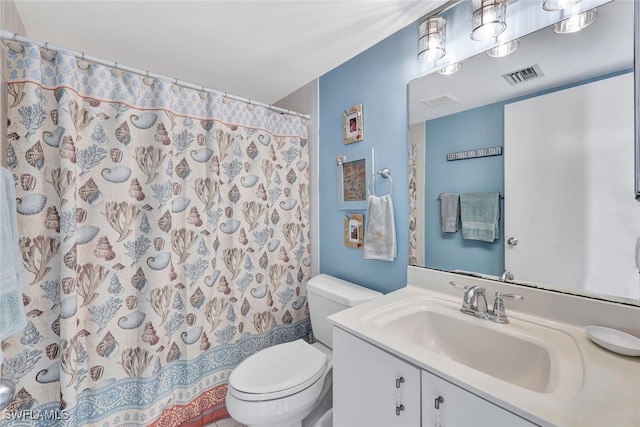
(498, 314)
(458, 285)
(509, 296)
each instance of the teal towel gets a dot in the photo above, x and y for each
(480, 214)
(12, 317)
(449, 212)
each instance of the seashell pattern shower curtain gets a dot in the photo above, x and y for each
(166, 236)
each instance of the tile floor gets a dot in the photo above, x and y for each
(228, 422)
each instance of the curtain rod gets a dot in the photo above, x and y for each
(9, 36)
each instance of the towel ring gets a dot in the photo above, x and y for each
(385, 173)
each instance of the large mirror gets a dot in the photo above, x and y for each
(550, 128)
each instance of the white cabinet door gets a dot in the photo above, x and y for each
(372, 387)
(460, 408)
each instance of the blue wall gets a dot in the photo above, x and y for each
(481, 127)
(377, 78)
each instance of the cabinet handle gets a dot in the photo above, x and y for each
(399, 381)
(438, 401)
(399, 409)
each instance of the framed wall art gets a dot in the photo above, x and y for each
(353, 124)
(354, 169)
(354, 230)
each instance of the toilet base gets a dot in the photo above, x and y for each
(325, 404)
(298, 424)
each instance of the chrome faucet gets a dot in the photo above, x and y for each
(506, 276)
(498, 314)
(474, 303)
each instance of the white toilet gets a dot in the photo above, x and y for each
(285, 384)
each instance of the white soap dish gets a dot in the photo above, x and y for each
(614, 340)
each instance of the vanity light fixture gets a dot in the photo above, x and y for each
(552, 5)
(431, 44)
(504, 49)
(488, 18)
(450, 69)
(576, 22)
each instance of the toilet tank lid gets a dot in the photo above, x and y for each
(346, 293)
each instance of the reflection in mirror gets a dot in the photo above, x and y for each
(562, 109)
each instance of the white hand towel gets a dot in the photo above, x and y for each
(380, 229)
(13, 276)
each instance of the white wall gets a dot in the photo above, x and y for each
(305, 100)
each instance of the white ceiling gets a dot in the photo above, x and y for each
(262, 50)
(603, 47)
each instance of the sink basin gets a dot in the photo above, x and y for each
(525, 354)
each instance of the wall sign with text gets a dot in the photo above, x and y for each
(472, 154)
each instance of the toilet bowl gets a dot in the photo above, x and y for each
(281, 386)
(278, 386)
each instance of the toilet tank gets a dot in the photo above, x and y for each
(328, 295)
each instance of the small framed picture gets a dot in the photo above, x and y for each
(354, 171)
(354, 230)
(353, 124)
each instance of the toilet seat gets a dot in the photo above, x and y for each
(278, 371)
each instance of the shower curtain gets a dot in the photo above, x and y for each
(166, 236)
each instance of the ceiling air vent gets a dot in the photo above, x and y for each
(440, 101)
(523, 75)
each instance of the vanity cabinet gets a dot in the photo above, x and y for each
(447, 405)
(372, 387)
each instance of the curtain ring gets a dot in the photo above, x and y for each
(47, 54)
(147, 80)
(17, 47)
(115, 71)
(82, 64)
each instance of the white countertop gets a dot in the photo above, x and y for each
(608, 397)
